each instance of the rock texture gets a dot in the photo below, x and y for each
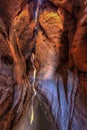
(59, 42)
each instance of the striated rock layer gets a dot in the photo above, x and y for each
(59, 41)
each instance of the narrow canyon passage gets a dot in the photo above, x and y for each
(48, 90)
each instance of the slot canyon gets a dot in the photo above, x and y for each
(43, 64)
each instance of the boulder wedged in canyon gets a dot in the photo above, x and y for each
(58, 39)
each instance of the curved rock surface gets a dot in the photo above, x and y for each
(60, 59)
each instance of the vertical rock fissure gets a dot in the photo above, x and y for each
(33, 59)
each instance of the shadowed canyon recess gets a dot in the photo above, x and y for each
(46, 90)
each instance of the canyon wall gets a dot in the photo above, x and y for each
(55, 31)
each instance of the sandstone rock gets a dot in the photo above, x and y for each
(9, 9)
(59, 43)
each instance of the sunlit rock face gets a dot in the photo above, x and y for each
(9, 9)
(60, 60)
